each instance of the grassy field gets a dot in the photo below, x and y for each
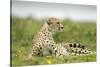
(24, 28)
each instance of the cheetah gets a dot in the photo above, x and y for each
(44, 44)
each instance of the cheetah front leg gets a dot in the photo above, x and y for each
(36, 51)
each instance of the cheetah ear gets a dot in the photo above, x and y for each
(48, 22)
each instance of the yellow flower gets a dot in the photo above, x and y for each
(49, 61)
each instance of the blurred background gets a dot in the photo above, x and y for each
(28, 17)
(41, 10)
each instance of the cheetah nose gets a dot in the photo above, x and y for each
(62, 27)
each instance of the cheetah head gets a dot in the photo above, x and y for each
(54, 24)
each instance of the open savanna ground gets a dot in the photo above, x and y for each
(23, 29)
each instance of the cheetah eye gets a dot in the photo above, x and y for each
(57, 22)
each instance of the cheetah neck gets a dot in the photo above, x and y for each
(45, 29)
(46, 33)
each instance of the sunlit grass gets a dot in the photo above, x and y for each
(20, 61)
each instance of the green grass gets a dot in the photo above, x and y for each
(53, 60)
(23, 29)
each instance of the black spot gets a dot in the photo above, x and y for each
(42, 31)
(79, 45)
(50, 51)
(33, 50)
(44, 34)
(47, 41)
(45, 29)
(44, 38)
(39, 43)
(70, 45)
(57, 22)
(79, 52)
(39, 50)
(74, 45)
(59, 54)
(51, 45)
(55, 50)
(62, 27)
(38, 54)
(82, 47)
(40, 47)
(72, 50)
